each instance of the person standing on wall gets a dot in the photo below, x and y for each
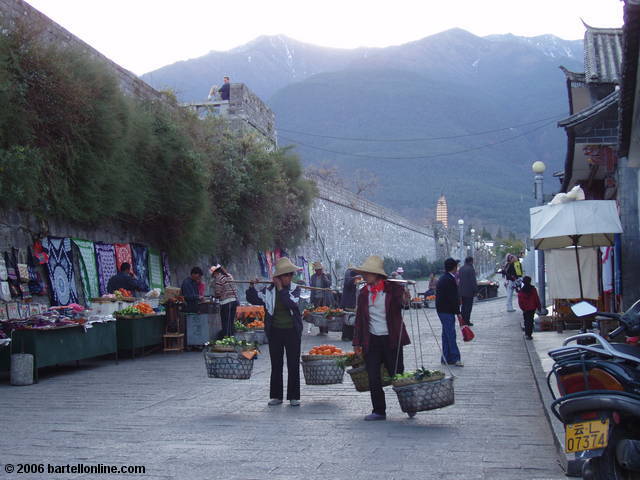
(225, 89)
(283, 327)
(379, 332)
(319, 298)
(467, 287)
(225, 291)
(448, 308)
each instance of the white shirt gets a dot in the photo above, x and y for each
(378, 315)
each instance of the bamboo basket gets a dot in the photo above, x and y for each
(420, 397)
(322, 372)
(228, 365)
(360, 378)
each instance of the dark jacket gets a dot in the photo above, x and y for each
(529, 301)
(467, 284)
(509, 272)
(224, 91)
(393, 306)
(123, 280)
(266, 298)
(349, 290)
(447, 297)
(191, 293)
(320, 298)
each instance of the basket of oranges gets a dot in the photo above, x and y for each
(324, 365)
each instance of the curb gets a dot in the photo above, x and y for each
(571, 467)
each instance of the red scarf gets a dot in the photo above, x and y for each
(374, 289)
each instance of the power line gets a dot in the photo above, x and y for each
(398, 140)
(418, 157)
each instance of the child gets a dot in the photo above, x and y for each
(529, 302)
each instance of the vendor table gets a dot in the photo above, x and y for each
(245, 311)
(51, 346)
(139, 332)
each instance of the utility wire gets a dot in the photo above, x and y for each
(397, 140)
(417, 157)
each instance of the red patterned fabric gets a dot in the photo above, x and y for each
(123, 254)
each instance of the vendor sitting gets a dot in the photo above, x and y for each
(190, 290)
(126, 279)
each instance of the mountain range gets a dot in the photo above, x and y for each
(451, 113)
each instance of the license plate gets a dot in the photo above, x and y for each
(586, 435)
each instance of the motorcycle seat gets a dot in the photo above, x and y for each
(624, 348)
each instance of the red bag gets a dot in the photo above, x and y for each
(467, 333)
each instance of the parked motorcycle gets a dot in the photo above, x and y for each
(598, 397)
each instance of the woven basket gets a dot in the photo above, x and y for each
(223, 348)
(335, 323)
(420, 397)
(412, 381)
(228, 365)
(313, 358)
(360, 378)
(319, 320)
(322, 372)
(248, 336)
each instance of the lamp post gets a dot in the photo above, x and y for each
(461, 228)
(472, 241)
(538, 169)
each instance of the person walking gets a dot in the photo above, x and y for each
(283, 327)
(467, 287)
(225, 291)
(448, 308)
(348, 299)
(379, 332)
(321, 298)
(529, 302)
(512, 272)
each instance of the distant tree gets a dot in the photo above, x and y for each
(364, 181)
(326, 173)
(499, 235)
(485, 235)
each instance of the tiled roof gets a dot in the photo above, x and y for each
(573, 76)
(604, 104)
(602, 54)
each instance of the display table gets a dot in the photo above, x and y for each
(52, 346)
(202, 328)
(139, 331)
(250, 311)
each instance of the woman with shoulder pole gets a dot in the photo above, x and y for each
(225, 291)
(379, 332)
(283, 327)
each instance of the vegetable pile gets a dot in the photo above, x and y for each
(141, 308)
(328, 350)
(419, 375)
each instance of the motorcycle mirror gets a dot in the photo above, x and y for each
(582, 309)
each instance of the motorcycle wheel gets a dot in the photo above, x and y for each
(606, 467)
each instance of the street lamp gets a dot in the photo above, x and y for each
(461, 228)
(472, 242)
(538, 169)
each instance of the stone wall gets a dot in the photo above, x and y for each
(247, 109)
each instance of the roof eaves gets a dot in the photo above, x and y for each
(629, 70)
(595, 109)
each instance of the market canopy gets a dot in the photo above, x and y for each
(556, 226)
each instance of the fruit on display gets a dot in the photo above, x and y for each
(328, 350)
(121, 292)
(256, 324)
(141, 308)
(321, 309)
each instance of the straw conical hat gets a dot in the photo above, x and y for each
(373, 264)
(283, 266)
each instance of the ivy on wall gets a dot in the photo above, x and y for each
(73, 147)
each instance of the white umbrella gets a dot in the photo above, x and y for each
(586, 223)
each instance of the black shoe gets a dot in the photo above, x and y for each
(470, 324)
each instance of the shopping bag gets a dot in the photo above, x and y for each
(467, 333)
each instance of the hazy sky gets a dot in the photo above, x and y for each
(142, 35)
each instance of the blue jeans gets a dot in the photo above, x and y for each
(451, 354)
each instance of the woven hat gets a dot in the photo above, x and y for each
(317, 266)
(284, 266)
(373, 264)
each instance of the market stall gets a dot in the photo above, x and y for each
(139, 331)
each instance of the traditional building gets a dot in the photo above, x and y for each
(592, 128)
(442, 211)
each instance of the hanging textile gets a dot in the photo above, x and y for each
(88, 268)
(106, 261)
(123, 254)
(607, 269)
(262, 260)
(60, 269)
(165, 269)
(302, 262)
(141, 264)
(562, 273)
(39, 253)
(270, 263)
(155, 269)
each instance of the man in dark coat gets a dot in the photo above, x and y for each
(124, 279)
(348, 299)
(225, 89)
(321, 298)
(467, 287)
(448, 308)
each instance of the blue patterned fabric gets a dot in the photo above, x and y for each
(60, 269)
(106, 260)
(140, 255)
(165, 269)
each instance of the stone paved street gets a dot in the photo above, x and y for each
(164, 413)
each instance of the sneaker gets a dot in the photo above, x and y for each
(470, 324)
(528, 337)
(294, 403)
(512, 310)
(459, 363)
(372, 417)
(274, 401)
